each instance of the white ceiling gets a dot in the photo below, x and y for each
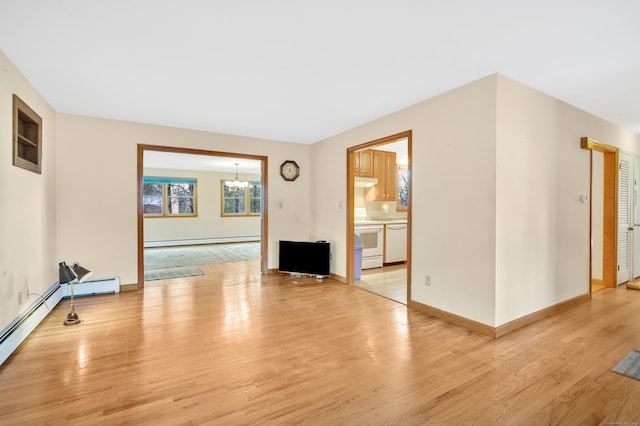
(302, 71)
(206, 163)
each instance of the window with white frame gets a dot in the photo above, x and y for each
(169, 197)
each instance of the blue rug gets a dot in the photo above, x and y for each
(170, 257)
(166, 273)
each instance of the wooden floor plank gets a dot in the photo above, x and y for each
(235, 347)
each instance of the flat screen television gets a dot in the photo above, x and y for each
(312, 258)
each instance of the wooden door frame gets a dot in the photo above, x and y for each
(610, 210)
(264, 186)
(350, 202)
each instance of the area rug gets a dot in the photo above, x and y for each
(630, 365)
(170, 257)
(166, 273)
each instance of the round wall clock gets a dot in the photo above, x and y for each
(289, 170)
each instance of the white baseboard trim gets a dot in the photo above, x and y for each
(195, 241)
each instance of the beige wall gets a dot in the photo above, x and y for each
(97, 195)
(542, 252)
(497, 175)
(453, 205)
(28, 215)
(597, 214)
(208, 223)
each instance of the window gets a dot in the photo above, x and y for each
(169, 197)
(240, 198)
(403, 189)
(27, 137)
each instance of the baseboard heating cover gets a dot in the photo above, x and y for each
(221, 240)
(89, 288)
(20, 328)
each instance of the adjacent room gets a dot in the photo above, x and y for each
(380, 212)
(199, 210)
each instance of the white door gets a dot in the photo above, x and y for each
(636, 218)
(625, 204)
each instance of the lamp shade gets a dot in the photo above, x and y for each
(65, 273)
(82, 273)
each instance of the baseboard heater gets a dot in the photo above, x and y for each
(221, 240)
(19, 329)
(90, 288)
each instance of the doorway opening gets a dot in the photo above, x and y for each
(187, 154)
(379, 216)
(603, 263)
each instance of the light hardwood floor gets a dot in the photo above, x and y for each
(234, 347)
(389, 281)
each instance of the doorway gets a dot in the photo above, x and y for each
(605, 256)
(378, 200)
(263, 166)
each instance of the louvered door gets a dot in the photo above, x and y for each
(636, 218)
(624, 216)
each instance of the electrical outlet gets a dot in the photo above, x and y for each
(427, 280)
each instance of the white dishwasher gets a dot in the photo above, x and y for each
(395, 242)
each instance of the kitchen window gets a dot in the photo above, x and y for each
(403, 189)
(169, 197)
(240, 198)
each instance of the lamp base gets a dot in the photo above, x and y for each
(72, 321)
(72, 317)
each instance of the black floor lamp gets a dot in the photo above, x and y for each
(70, 275)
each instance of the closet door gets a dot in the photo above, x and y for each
(625, 224)
(636, 217)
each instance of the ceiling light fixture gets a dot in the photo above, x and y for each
(236, 182)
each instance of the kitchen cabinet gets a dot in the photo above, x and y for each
(364, 163)
(385, 170)
(395, 243)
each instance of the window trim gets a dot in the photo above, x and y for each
(166, 181)
(247, 199)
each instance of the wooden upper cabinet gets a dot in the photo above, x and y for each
(391, 176)
(385, 170)
(364, 163)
